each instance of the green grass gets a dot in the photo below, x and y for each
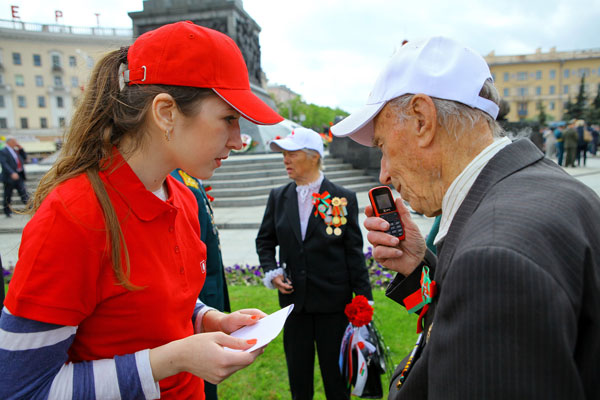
(267, 377)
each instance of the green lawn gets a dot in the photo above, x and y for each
(267, 377)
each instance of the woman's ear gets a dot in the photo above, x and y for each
(426, 115)
(163, 111)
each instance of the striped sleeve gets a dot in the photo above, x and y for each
(198, 315)
(33, 365)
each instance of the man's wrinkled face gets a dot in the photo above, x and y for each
(403, 163)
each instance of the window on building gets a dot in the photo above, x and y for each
(583, 72)
(1, 79)
(56, 60)
(552, 74)
(521, 76)
(538, 90)
(72, 61)
(494, 76)
(58, 82)
(506, 76)
(90, 62)
(16, 58)
(2, 105)
(551, 106)
(505, 92)
(74, 81)
(24, 123)
(37, 60)
(21, 101)
(566, 73)
(552, 89)
(19, 80)
(522, 109)
(538, 75)
(3, 123)
(39, 81)
(522, 91)
(566, 89)
(62, 122)
(43, 122)
(60, 103)
(41, 101)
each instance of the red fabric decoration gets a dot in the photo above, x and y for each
(359, 312)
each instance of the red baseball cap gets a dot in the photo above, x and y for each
(185, 54)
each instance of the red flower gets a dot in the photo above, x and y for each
(359, 312)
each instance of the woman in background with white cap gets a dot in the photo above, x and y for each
(321, 264)
(103, 302)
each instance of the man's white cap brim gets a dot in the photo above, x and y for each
(359, 124)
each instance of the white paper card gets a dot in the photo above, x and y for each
(265, 330)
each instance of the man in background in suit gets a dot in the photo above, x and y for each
(510, 307)
(12, 158)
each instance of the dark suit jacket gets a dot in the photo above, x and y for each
(325, 269)
(9, 164)
(517, 315)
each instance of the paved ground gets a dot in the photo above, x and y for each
(238, 244)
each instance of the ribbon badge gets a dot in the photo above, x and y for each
(332, 210)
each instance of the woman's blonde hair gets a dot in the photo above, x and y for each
(105, 116)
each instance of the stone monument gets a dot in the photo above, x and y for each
(226, 16)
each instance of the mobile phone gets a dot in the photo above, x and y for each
(385, 207)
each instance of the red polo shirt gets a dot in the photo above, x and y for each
(64, 274)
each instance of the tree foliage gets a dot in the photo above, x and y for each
(576, 110)
(309, 115)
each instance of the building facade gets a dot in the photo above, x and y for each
(43, 72)
(550, 79)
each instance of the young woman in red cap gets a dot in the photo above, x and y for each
(104, 298)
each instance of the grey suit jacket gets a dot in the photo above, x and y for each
(517, 314)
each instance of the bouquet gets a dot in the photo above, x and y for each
(362, 354)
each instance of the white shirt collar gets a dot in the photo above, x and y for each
(458, 190)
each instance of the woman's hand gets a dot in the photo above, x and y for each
(203, 355)
(400, 256)
(284, 286)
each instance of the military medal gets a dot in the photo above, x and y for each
(332, 210)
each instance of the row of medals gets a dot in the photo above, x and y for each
(338, 219)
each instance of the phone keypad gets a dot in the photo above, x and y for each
(395, 224)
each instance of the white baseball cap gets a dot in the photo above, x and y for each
(300, 138)
(438, 67)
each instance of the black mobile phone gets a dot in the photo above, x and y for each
(384, 207)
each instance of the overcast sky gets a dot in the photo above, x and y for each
(330, 51)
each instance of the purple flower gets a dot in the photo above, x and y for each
(387, 275)
(257, 273)
(379, 283)
(378, 272)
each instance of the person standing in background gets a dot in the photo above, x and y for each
(314, 222)
(12, 158)
(214, 292)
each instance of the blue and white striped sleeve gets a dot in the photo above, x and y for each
(32, 365)
(198, 315)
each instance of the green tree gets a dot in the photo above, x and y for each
(592, 113)
(542, 116)
(577, 109)
(309, 115)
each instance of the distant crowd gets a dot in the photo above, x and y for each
(568, 142)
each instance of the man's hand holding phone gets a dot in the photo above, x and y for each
(404, 255)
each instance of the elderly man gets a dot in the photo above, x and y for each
(12, 159)
(510, 308)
